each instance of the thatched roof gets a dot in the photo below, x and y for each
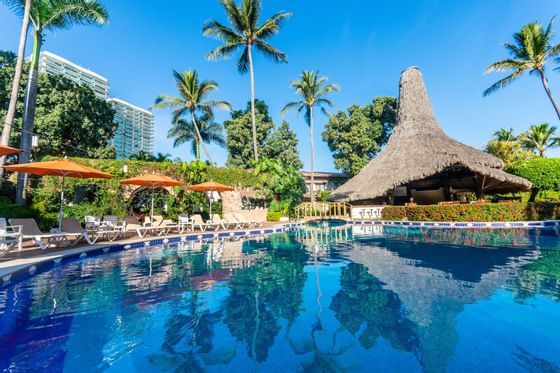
(418, 148)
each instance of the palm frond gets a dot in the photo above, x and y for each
(243, 63)
(270, 51)
(290, 106)
(233, 15)
(66, 13)
(224, 51)
(502, 83)
(508, 64)
(272, 25)
(219, 31)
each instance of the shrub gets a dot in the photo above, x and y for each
(482, 212)
(273, 216)
(544, 173)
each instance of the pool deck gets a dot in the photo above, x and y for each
(30, 257)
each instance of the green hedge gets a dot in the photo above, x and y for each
(482, 212)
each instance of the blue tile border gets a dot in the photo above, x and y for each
(463, 225)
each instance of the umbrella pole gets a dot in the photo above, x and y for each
(211, 195)
(61, 211)
(152, 209)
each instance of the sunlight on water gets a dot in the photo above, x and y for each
(328, 297)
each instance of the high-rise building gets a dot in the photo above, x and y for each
(52, 64)
(135, 131)
(135, 125)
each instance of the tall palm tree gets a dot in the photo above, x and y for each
(245, 33)
(530, 52)
(183, 131)
(540, 137)
(9, 121)
(192, 100)
(505, 134)
(49, 15)
(312, 88)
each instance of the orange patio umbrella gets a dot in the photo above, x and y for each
(63, 168)
(211, 186)
(8, 150)
(152, 181)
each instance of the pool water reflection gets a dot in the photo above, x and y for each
(321, 298)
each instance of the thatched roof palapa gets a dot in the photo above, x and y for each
(418, 149)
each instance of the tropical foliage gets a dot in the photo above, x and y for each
(530, 51)
(543, 173)
(539, 138)
(275, 142)
(357, 135)
(244, 34)
(312, 89)
(192, 102)
(48, 15)
(70, 119)
(283, 185)
(184, 131)
(481, 212)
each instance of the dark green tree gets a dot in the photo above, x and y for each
(48, 15)
(239, 134)
(244, 34)
(282, 146)
(543, 173)
(504, 134)
(141, 155)
(357, 135)
(70, 118)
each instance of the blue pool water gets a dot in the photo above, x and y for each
(319, 299)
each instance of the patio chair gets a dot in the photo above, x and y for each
(197, 221)
(10, 236)
(92, 222)
(131, 224)
(217, 220)
(30, 230)
(232, 221)
(185, 223)
(91, 236)
(162, 225)
(247, 223)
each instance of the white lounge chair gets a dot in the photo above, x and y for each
(232, 221)
(73, 226)
(10, 236)
(217, 220)
(30, 230)
(197, 221)
(92, 222)
(131, 224)
(247, 223)
(163, 226)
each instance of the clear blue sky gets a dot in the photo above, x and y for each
(361, 45)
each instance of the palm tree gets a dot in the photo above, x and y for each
(540, 137)
(142, 155)
(162, 157)
(192, 100)
(530, 52)
(245, 33)
(505, 134)
(9, 121)
(49, 15)
(183, 131)
(312, 90)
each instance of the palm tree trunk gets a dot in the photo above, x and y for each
(197, 150)
(199, 137)
(549, 92)
(8, 123)
(311, 124)
(29, 114)
(253, 114)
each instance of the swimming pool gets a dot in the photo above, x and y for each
(319, 298)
